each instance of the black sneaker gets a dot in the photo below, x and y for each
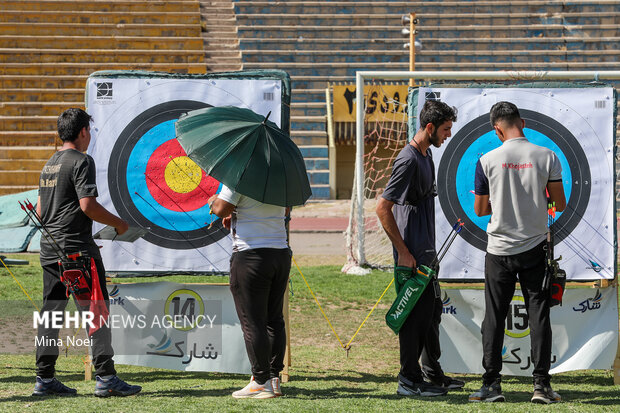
(544, 394)
(490, 393)
(447, 382)
(114, 387)
(424, 389)
(53, 387)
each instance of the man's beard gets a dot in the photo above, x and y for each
(435, 140)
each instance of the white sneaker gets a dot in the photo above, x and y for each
(255, 391)
(275, 385)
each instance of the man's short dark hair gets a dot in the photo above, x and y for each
(70, 123)
(505, 112)
(436, 112)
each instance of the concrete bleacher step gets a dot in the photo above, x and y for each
(309, 138)
(331, 56)
(39, 109)
(316, 163)
(309, 123)
(53, 69)
(476, 6)
(17, 152)
(19, 177)
(305, 95)
(316, 69)
(161, 6)
(517, 56)
(14, 189)
(498, 17)
(313, 31)
(308, 109)
(21, 164)
(30, 95)
(97, 17)
(101, 29)
(102, 42)
(30, 137)
(296, 43)
(521, 43)
(15, 55)
(47, 82)
(28, 123)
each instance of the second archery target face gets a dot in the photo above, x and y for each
(145, 177)
(153, 184)
(577, 124)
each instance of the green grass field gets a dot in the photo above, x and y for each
(323, 376)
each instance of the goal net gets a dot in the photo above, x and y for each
(385, 134)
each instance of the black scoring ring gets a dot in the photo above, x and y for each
(117, 180)
(562, 137)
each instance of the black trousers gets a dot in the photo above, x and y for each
(419, 338)
(258, 279)
(55, 299)
(431, 351)
(501, 274)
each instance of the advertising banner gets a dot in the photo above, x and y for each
(191, 327)
(585, 332)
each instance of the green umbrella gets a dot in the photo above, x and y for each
(246, 152)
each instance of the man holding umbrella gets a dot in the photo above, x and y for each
(262, 173)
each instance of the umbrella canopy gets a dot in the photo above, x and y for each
(246, 152)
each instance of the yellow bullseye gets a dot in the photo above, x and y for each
(182, 175)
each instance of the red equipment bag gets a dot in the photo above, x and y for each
(76, 278)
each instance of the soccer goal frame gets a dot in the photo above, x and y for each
(357, 211)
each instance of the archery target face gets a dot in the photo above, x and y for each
(577, 124)
(145, 177)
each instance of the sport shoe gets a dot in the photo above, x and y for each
(255, 391)
(407, 388)
(447, 382)
(491, 393)
(53, 387)
(114, 387)
(545, 395)
(275, 385)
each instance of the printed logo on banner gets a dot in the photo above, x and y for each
(185, 310)
(590, 304)
(517, 321)
(104, 90)
(115, 297)
(447, 307)
(181, 308)
(514, 356)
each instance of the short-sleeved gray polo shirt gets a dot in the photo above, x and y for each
(515, 177)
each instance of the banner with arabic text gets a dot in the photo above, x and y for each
(585, 332)
(191, 327)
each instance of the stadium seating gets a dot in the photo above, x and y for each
(49, 47)
(328, 41)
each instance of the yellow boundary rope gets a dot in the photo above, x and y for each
(348, 345)
(35, 306)
(18, 283)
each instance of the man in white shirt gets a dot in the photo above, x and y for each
(512, 184)
(259, 272)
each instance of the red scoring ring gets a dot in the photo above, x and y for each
(163, 194)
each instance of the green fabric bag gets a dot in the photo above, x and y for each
(408, 294)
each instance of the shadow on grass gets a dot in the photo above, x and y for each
(27, 375)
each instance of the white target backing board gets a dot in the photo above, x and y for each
(145, 177)
(578, 125)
